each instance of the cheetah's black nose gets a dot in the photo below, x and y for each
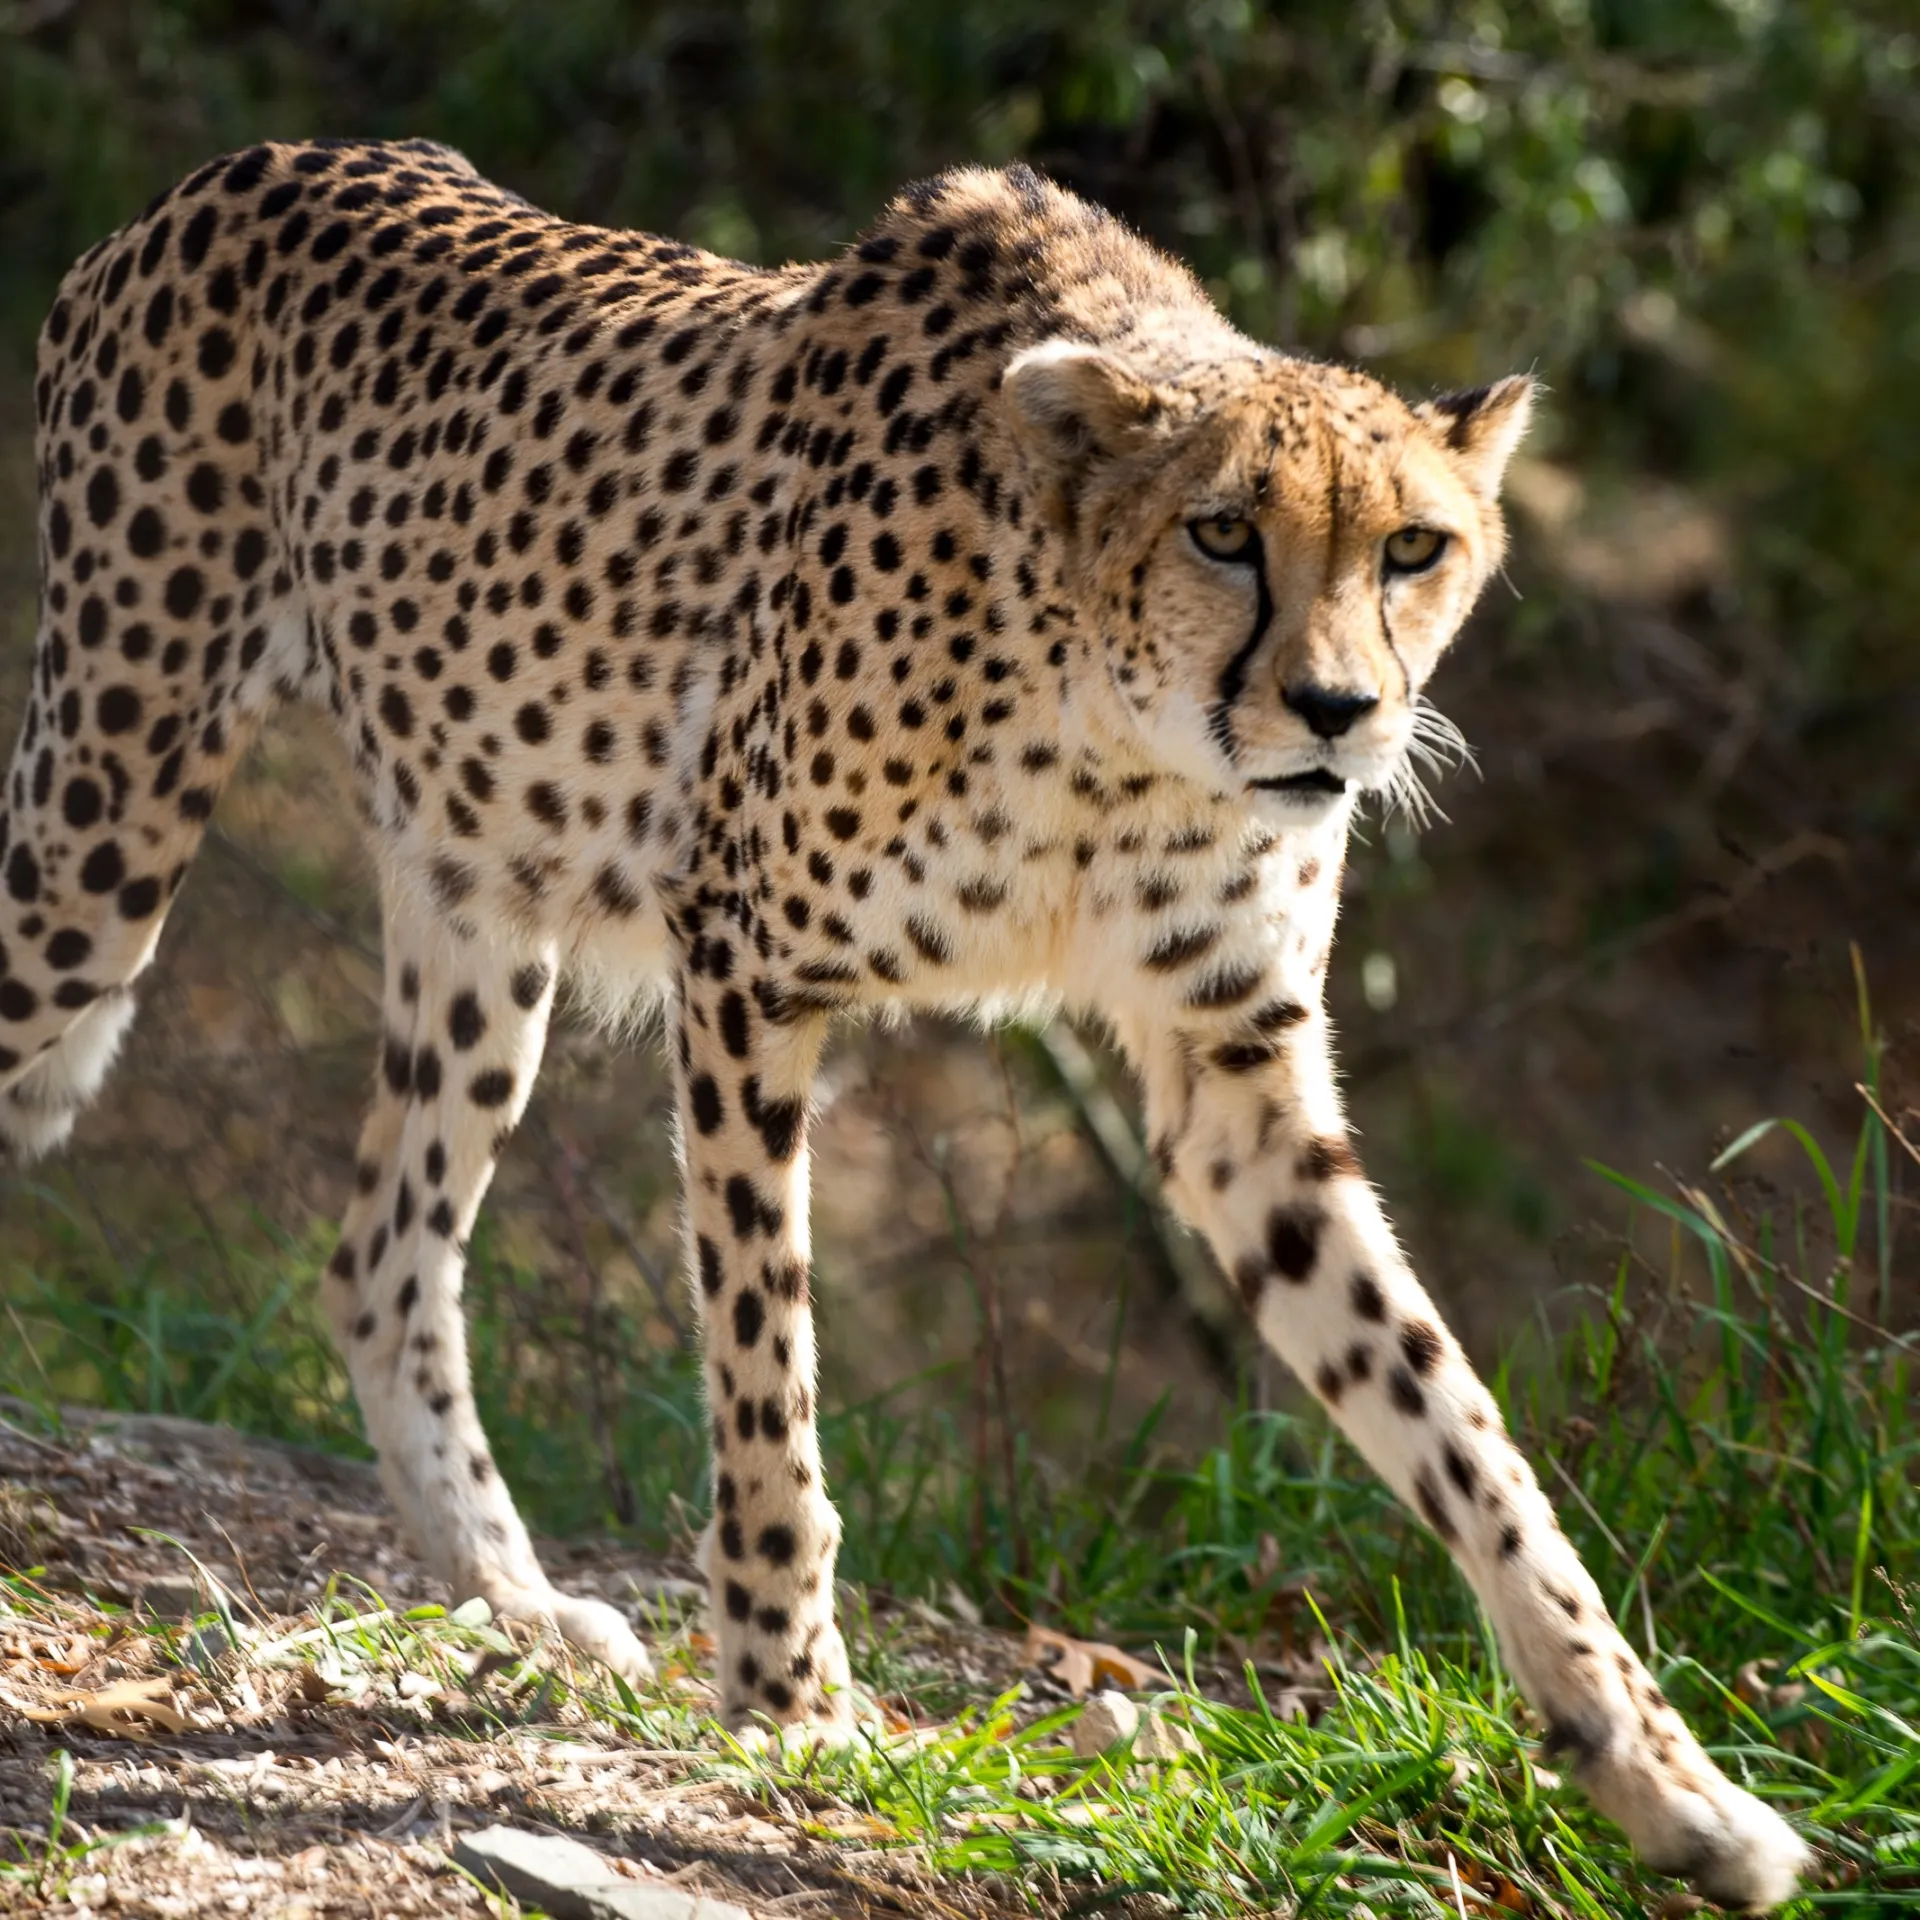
(1329, 713)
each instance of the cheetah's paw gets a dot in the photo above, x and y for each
(1697, 1825)
(1742, 1854)
(591, 1627)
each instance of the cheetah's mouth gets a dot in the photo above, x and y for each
(1319, 780)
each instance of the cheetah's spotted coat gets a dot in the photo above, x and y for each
(975, 615)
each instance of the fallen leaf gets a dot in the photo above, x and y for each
(1082, 1665)
(119, 1708)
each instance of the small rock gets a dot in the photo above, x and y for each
(1164, 1738)
(1108, 1720)
(572, 1882)
(1111, 1720)
(208, 1647)
(171, 1599)
(541, 1869)
(628, 1900)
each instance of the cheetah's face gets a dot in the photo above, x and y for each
(1270, 555)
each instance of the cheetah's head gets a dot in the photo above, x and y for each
(1271, 555)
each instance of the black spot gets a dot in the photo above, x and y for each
(396, 1060)
(185, 586)
(1326, 1159)
(1293, 1239)
(494, 1088)
(777, 1544)
(68, 949)
(216, 353)
(780, 1125)
(1405, 1392)
(104, 868)
(1368, 1301)
(1433, 1510)
(704, 1096)
(711, 1276)
(196, 236)
(744, 1206)
(465, 1022)
(1178, 948)
(103, 497)
(146, 534)
(749, 1316)
(206, 487)
(1421, 1344)
(81, 804)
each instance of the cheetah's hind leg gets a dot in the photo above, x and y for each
(465, 1021)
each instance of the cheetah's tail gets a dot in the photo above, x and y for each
(168, 626)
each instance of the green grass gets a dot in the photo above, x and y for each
(1737, 1441)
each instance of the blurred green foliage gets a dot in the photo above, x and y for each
(1698, 220)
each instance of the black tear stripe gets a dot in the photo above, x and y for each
(1393, 647)
(1233, 676)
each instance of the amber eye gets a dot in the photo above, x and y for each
(1414, 549)
(1223, 536)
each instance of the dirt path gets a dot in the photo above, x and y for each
(288, 1769)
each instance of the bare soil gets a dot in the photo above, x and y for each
(269, 1790)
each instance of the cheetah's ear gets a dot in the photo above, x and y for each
(1481, 428)
(1071, 407)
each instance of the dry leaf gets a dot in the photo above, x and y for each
(1082, 1665)
(1492, 1892)
(119, 1708)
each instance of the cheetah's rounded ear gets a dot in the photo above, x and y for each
(1072, 406)
(1481, 428)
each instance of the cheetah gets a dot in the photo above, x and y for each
(975, 616)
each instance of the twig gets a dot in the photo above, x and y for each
(991, 1391)
(1201, 1291)
(314, 916)
(32, 1439)
(561, 1159)
(658, 1282)
(1866, 1093)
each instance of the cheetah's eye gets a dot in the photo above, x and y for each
(1223, 536)
(1414, 549)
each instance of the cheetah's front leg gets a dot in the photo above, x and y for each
(465, 1019)
(1248, 1125)
(744, 1082)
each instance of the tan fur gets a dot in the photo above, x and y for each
(974, 618)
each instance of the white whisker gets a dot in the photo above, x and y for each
(1435, 746)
